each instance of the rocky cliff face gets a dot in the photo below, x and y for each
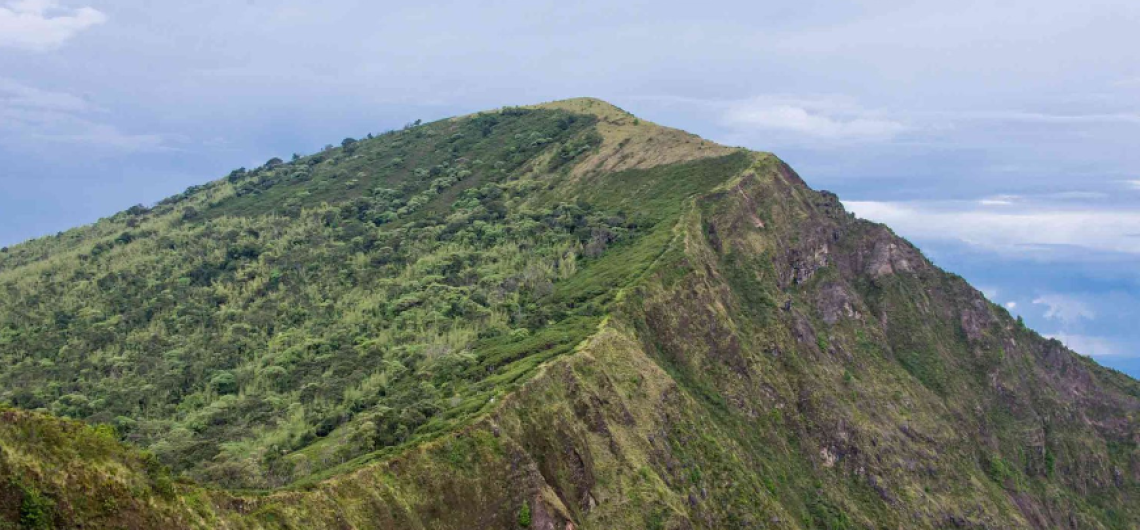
(776, 364)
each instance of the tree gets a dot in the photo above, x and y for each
(224, 383)
(190, 213)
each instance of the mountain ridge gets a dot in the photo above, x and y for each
(732, 350)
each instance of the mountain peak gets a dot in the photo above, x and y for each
(602, 109)
(555, 316)
(633, 143)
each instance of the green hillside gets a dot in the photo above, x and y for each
(556, 316)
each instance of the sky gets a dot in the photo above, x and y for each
(1000, 137)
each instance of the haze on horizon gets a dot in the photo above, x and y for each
(999, 138)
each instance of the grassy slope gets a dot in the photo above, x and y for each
(291, 320)
(772, 363)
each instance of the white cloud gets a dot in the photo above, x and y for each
(32, 116)
(1132, 82)
(999, 200)
(1011, 305)
(1044, 118)
(1134, 184)
(41, 25)
(1088, 345)
(1079, 195)
(1066, 309)
(827, 118)
(109, 137)
(17, 95)
(1013, 230)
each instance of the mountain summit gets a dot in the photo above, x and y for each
(557, 317)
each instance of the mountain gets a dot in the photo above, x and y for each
(554, 317)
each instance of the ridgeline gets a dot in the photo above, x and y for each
(557, 316)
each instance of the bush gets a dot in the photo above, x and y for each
(35, 509)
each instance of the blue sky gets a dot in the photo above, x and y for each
(1002, 137)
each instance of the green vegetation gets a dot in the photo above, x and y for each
(250, 351)
(294, 317)
(56, 472)
(35, 510)
(554, 315)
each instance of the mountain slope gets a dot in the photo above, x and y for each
(557, 316)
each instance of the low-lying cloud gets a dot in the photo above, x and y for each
(1089, 345)
(825, 118)
(1012, 229)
